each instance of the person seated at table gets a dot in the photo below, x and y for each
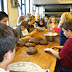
(34, 23)
(7, 46)
(22, 29)
(46, 20)
(65, 55)
(37, 19)
(52, 23)
(3, 17)
(42, 24)
(21, 18)
(30, 22)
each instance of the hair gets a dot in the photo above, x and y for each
(15, 34)
(25, 24)
(50, 20)
(33, 17)
(66, 16)
(3, 15)
(42, 20)
(7, 40)
(28, 14)
(30, 19)
(46, 17)
(21, 18)
(67, 25)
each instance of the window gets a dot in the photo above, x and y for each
(24, 7)
(1, 5)
(5, 6)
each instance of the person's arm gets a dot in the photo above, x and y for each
(56, 29)
(58, 47)
(56, 54)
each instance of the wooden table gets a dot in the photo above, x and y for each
(43, 59)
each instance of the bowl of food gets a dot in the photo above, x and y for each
(50, 36)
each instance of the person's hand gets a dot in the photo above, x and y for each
(52, 30)
(48, 50)
(58, 47)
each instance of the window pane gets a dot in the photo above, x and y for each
(19, 2)
(23, 9)
(23, 1)
(0, 6)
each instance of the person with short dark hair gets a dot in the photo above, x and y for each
(65, 55)
(7, 44)
(3, 17)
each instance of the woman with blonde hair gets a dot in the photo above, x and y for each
(64, 17)
(52, 23)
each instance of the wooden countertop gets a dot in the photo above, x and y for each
(43, 59)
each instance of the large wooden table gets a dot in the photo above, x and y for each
(43, 59)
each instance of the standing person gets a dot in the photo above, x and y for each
(7, 46)
(3, 17)
(64, 17)
(65, 55)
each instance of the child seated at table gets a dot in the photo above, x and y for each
(52, 23)
(65, 55)
(22, 29)
(30, 22)
(42, 24)
(7, 46)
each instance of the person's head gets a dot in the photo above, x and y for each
(15, 34)
(28, 14)
(37, 17)
(3, 17)
(33, 18)
(24, 25)
(30, 20)
(53, 20)
(67, 28)
(65, 16)
(21, 18)
(46, 19)
(42, 22)
(7, 44)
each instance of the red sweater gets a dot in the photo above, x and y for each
(56, 29)
(66, 55)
